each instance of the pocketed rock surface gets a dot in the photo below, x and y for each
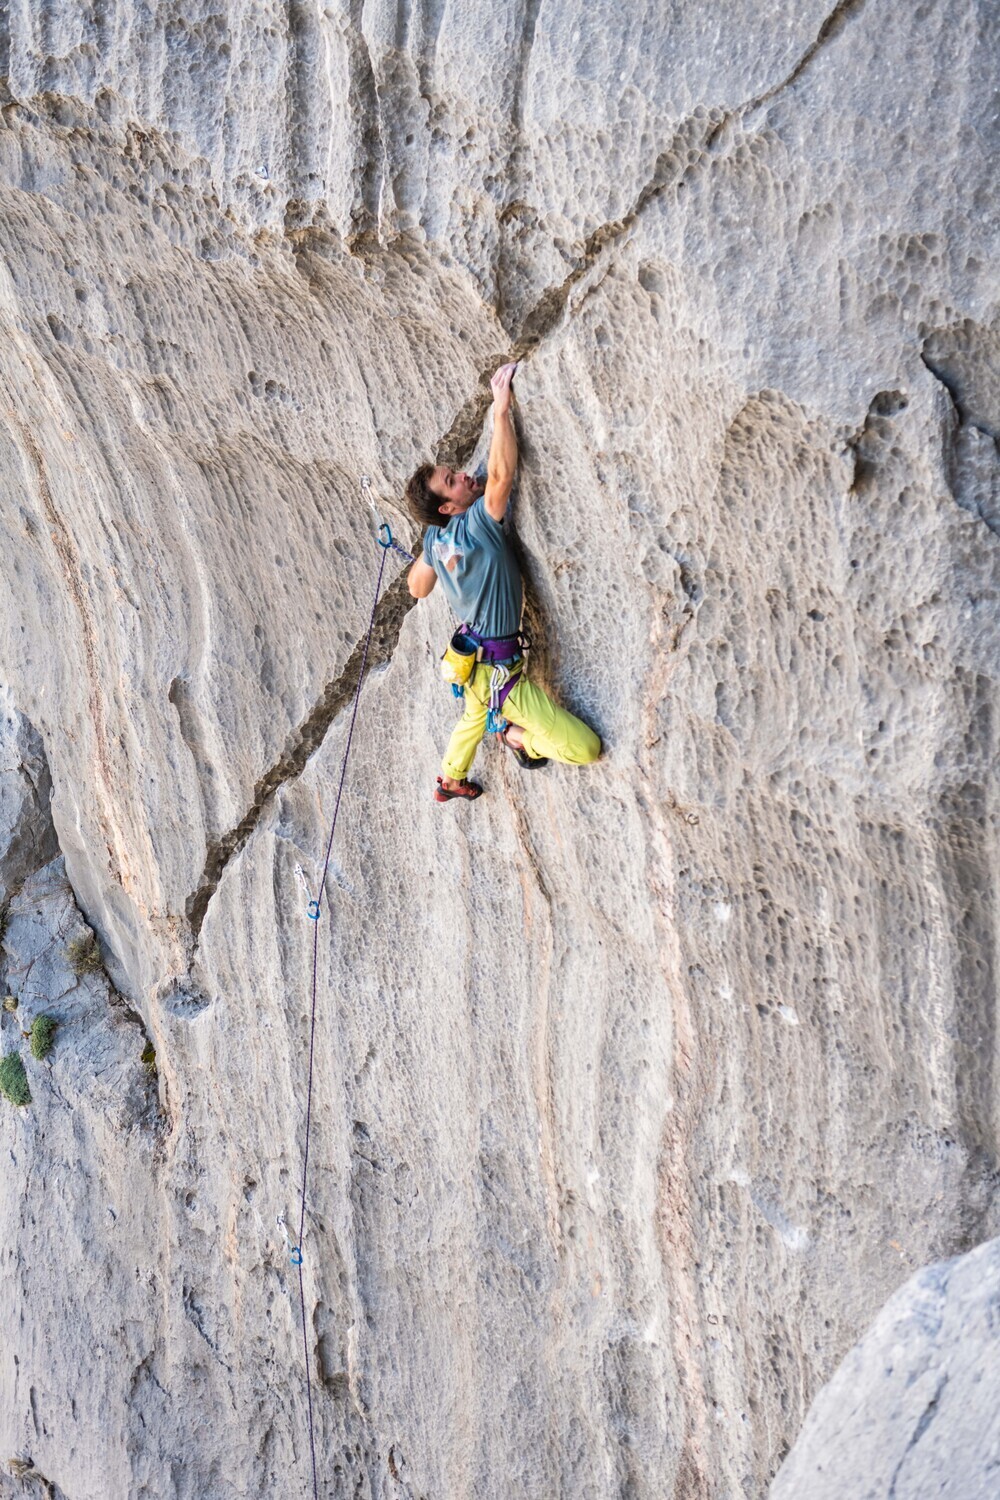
(638, 1089)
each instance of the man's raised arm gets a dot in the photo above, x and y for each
(503, 449)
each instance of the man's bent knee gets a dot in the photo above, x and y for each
(581, 748)
(590, 749)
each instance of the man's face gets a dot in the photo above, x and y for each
(455, 489)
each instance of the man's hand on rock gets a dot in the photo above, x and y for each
(500, 386)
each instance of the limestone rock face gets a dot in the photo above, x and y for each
(911, 1411)
(638, 1089)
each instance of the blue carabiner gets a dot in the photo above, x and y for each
(296, 1256)
(313, 911)
(384, 527)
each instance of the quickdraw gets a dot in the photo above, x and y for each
(503, 679)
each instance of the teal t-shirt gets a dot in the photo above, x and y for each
(475, 563)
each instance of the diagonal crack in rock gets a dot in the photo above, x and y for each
(697, 140)
(668, 169)
(927, 1416)
(306, 738)
(831, 27)
(542, 320)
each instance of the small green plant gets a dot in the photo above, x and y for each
(13, 1080)
(43, 1033)
(10, 1004)
(84, 955)
(149, 1060)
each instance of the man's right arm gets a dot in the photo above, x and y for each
(421, 579)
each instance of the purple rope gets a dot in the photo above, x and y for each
(318, 907)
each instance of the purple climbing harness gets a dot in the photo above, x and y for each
(499, 652)
(497, 648)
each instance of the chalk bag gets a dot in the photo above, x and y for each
(459, 659)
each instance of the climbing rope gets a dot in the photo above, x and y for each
(315, 909)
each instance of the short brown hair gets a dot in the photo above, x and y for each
(424, 505)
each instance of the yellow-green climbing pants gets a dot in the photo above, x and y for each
(548, 730)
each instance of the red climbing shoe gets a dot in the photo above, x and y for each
(470, 790)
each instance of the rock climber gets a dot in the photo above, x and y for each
(467, 546)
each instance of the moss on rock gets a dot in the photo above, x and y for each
(13, 1080)
(43, 1031)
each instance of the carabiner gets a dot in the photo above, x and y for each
(388, 543)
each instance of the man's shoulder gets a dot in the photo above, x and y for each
(480, 520)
